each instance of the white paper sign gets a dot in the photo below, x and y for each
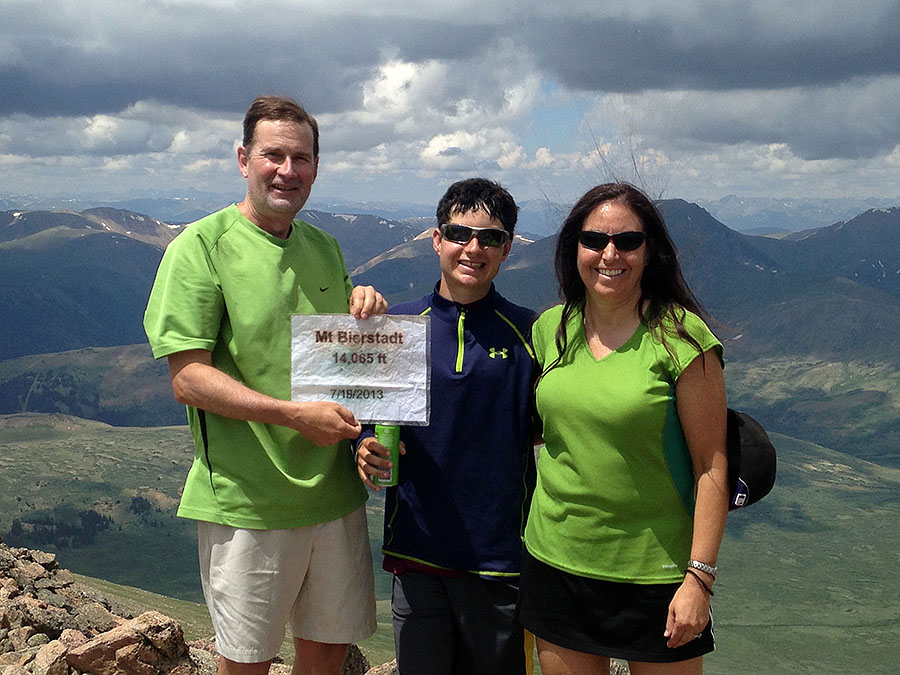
(378, 368)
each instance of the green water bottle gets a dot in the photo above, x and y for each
(388, 435)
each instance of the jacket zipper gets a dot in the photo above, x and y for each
(460, 337)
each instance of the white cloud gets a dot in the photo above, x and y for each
(543, 157)
(206, 166)
(117, 164)
(471, 149)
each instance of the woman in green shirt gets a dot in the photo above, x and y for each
(631, 498)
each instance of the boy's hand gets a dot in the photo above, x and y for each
(372, 459)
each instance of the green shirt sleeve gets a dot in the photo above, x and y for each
(186, 302)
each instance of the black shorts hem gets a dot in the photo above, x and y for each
(621, 654)
(610, 619)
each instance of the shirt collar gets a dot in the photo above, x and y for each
(449, 310)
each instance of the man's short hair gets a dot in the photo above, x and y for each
(278, 108)
(479, 194)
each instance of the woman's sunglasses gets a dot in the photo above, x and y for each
(624, 241)
(462, 234)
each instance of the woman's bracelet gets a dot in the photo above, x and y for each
(711, 570)
(702, 583)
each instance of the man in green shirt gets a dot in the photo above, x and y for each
(281, 522)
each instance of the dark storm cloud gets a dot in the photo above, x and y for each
(843, 122)
(395, 82)
(219, 71)
(195, 56)
(731, 50)
(219, 67)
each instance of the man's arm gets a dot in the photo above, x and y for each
(196, 382)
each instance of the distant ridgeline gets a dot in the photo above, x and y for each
(809, 319)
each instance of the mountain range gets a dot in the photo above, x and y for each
(796, 308)
(768, 296)
(769, 215)
(537, 217)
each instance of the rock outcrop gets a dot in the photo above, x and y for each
(50, 624)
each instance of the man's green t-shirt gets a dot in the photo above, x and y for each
(614, 496)
(229, 287)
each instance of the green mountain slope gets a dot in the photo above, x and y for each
(117, 385)
(103, 496)
(69, 281)
(865, 248)
(770, 297)
(104, 499)
(361, 236)
(849, 405)
(59, 291)
(807, 573)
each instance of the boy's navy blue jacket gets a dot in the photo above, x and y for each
(466, 479)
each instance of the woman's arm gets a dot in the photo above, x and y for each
(700, 401)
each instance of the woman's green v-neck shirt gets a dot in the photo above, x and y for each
(614, 496)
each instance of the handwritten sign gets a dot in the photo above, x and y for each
(378, 368)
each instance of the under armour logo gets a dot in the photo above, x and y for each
(494, 353)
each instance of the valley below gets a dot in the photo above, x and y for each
(807, 582)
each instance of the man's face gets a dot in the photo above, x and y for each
(280, 169)
(467, 270)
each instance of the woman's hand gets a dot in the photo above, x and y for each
(688, 613)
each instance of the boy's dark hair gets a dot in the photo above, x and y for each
(278, 108)
(474, 194)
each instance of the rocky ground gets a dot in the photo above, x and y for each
(50, 624)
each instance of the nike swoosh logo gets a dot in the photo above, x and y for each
(323, 289)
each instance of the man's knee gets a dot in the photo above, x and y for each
(318, 658)
(229, 667)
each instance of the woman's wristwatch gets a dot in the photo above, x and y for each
(711, 570)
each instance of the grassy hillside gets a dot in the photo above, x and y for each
(59, 291)
(850, 405)
(807, 582)
(124, 386)
(104, 499)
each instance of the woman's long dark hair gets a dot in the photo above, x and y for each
(663, 287)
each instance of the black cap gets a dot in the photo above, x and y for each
(751, 460)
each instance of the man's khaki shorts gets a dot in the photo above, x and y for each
(319, 578)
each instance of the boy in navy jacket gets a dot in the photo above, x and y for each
(453, 525)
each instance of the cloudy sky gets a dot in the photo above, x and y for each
(787, 98)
